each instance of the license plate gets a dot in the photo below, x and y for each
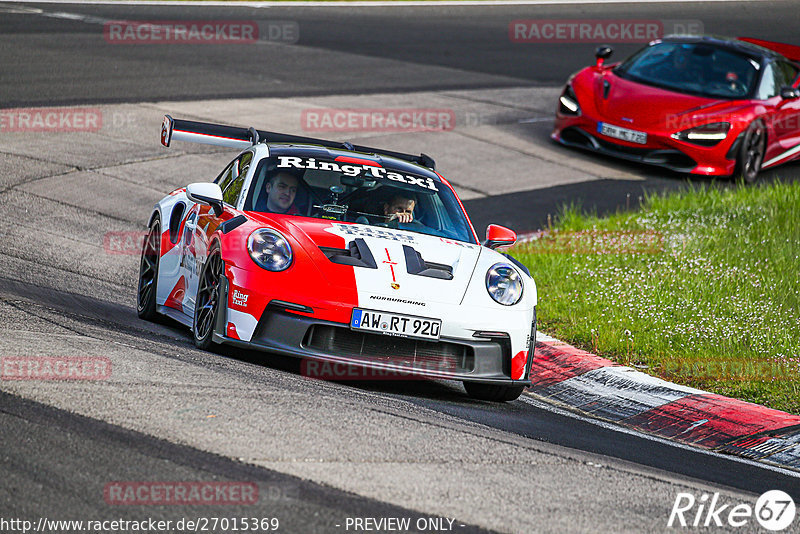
(622, 133)
(395, 324)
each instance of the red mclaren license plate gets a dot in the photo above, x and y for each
(395, 324)
(625, 134)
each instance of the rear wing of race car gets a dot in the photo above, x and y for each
(788, 51)
(238, 137)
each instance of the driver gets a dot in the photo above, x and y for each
(400, 207)
(281, 191)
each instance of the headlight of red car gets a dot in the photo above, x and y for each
(568, 103)
(705, 135)
(269, 249)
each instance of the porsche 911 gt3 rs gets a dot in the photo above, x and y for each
(340, 254)
(701, 105)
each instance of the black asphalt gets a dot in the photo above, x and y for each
(87, 454)
(58, 465)
(47, 61)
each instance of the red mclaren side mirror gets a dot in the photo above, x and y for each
(603, 53)
(790, 93)
(499, 236)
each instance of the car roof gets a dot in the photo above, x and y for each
(729, 43)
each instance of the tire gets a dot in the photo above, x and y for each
(205, 303)
(751, 154)
(148, 273)
(492, 392)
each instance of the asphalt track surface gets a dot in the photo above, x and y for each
(58, 60)
(62, 444)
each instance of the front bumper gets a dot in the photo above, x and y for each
(279, 330)
(479, 360)
(661, 149)
(476, 344)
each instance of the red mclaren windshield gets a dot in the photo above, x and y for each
(695, 68)
(362, 193)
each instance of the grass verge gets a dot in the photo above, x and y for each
(700, 287)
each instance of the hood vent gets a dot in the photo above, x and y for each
(416, 265)
(356, 254)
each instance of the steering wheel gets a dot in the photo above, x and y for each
(733, 87)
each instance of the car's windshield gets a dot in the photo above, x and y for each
(357, 191)
(695, 68)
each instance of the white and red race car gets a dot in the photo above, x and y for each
(338, 254)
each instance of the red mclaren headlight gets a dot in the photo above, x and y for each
(705, 135)
(568, 102)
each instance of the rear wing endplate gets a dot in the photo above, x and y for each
(238, 137)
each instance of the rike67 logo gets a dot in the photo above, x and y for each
(774, 510)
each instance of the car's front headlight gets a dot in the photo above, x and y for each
(705, 135)
(504, 284)
(269, 249)
(568, 102)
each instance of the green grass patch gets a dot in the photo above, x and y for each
(700, 287)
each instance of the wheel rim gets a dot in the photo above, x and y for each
(148, 267)
(755, 152)
(207, 295)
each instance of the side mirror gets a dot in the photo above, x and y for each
(499, 236)
(206, 193)
(602, 53)
(789, 93)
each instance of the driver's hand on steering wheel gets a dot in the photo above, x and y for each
(403, 217)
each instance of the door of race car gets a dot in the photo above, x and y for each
(203, 222)
(187, 267)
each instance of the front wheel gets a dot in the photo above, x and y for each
(205, 305)
(148, 273)
(751, 153)
(492, 392)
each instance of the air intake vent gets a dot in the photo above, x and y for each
(356, 254)
(411, 353)
(416, 265)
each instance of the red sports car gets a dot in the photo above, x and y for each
(701, 105)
